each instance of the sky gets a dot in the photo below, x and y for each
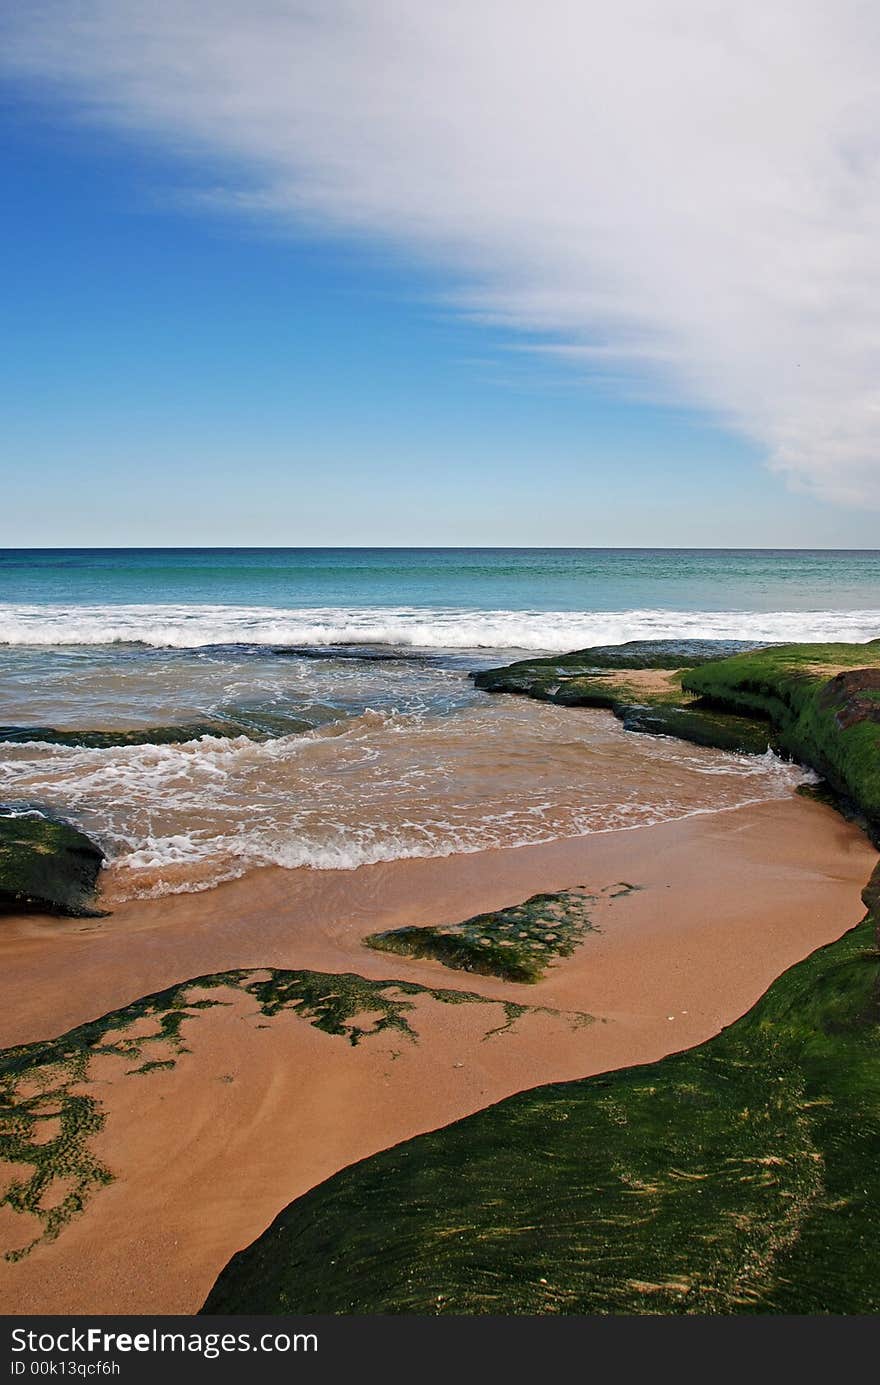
(487, 272)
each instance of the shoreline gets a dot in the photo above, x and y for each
(77, 969)
(255, 1108)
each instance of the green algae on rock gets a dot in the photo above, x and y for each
(718, 730)
(641, 683)
(516, 944)
(91, 739)
(47, 866)
(254, 719)
(742, 1176)
(818, 703)
(822, 701)
(47, 1121)
(634, 654)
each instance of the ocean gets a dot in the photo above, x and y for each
(344, 728)
(552, 599)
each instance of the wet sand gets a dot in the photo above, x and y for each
(205, 1153)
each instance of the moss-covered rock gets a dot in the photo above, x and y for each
(47, 866)
(92, 739)
(515, 944)
(634, 654)
(258, 721)
(823, 701)
(742, 1176)
(700, 726)
(818, 703)
(641, 683)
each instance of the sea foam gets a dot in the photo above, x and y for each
(411, 627)
(381, 786)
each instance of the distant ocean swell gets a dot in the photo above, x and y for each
(194, 626)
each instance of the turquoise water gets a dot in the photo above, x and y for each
(495, 599)
(486, 579)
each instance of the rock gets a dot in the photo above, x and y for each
(823, 701)
(512, 944)
(641, 683)
(853, 696)
(47, 866)
(723, 731)
(92, 739)
(532, 676)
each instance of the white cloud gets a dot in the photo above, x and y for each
(688, 190)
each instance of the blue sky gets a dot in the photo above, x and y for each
(181, 369)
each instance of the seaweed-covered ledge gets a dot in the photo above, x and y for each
(90, 738)
(642, 684)
(258, 724)
(742, 1176)
(818, 703)
(823, 701)
(516, 944)
(47, 866)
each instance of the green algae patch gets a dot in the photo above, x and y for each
(41, 1088)
(821, 700)
(256, 724)
(742, 1176)
(48, 1117)
(515, 944)
(634, 654)
(91, 739)
(719, 730)
(47, 866)
(337, 1003)
(642, 683)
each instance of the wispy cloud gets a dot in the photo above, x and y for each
(691, 190)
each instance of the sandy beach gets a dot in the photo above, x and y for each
(254, 1110)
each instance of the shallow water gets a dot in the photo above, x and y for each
(404, 759)
(349, 731)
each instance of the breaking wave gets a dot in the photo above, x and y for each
(411, 627)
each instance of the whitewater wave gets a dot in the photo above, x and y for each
(376, 787)
(409, 627)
